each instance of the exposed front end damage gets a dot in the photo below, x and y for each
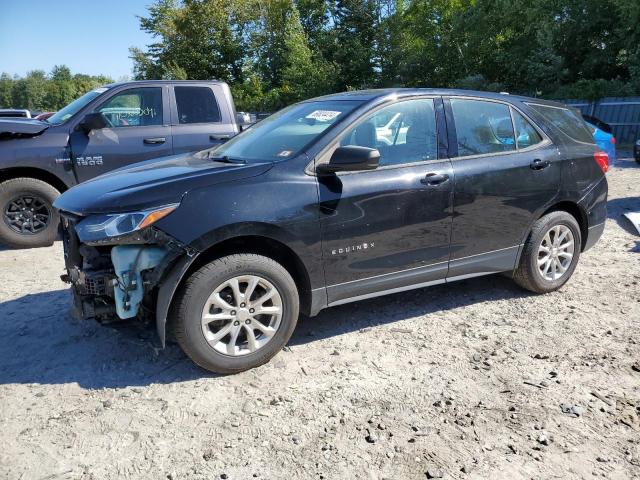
(14, 129)
(117, 279)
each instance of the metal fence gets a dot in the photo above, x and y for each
(622, 113)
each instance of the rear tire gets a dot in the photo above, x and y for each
(220, 298)
(22, 226)
(549, 242)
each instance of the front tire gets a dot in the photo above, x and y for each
(550, 254)
(28, 218)
(236, 313)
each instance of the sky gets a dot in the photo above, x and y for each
(89, 36)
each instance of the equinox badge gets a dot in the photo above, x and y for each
(352, 248)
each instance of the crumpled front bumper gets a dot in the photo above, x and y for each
(115, 282)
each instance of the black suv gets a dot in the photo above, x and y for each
(329, 201)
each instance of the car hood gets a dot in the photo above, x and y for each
(152, 183)
(21, 128)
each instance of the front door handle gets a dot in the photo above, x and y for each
(154, 140)
(538, 164)
(218, 138)
(434, 179)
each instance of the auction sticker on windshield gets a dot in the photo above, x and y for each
(323, 115)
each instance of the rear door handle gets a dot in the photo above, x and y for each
(538, 164)
(154, 140)
(434, 179)
(217, 138)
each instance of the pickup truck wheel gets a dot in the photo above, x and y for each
(236, 313)
(550, 253)
(28, 217)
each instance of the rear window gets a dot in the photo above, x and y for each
(482, 127)
(196, 105)
(570, 123)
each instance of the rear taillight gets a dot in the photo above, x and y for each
(613, 140)
(602, 159)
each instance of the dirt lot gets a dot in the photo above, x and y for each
(474, 380)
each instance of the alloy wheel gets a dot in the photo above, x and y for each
(27, 214)
(555, 252)
(242, 315)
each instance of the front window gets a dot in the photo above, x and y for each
(135, 107)
(286, 133)
(403, 132)
(74, 107)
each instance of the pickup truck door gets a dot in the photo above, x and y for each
(138, 130)
(389, 229)
(201, 116)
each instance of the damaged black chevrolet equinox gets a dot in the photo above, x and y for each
(332, 200)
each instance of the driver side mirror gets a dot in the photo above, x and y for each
(93, 121)
(351, 158)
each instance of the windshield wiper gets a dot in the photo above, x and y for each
(226, 159)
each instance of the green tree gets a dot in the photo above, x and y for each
(284, 59)
(6, 90)
(30, 92)
(273, 52)
(356, 24)
(60, 88)
(38, 91)
(198, 39)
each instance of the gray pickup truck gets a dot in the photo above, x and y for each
(105, 129)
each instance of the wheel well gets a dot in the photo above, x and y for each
(267, 247)
(578, 213)
(36, 173)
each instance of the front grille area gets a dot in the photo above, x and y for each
(94, 286)
(88, 268)
(95, 283)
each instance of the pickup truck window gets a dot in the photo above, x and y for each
(78, 104)
(135, 107)
(284, 134)
(196, 105)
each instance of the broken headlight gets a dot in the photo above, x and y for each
(100, 227)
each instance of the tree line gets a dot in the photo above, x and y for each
(275, 52)
(39, 91)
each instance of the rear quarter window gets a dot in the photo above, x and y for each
(565, 120)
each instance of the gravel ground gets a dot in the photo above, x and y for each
(479, 379)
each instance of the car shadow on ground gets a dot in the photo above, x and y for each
(41, 344)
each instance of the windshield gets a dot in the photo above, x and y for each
(70, 110)
(287, 132)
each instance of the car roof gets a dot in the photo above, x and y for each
(163, 82)
(376, 94)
